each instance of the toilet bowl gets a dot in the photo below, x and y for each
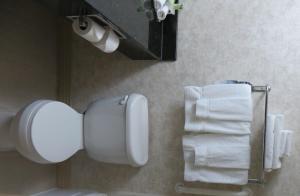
(111, 130)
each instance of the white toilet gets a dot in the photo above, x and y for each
(112, 130)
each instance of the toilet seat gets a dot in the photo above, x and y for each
(48, 131)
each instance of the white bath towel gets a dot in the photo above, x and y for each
(231, 108)
(194, 124)
(207, 174)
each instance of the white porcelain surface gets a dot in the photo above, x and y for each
(137, 129)
(57, 131)
(20, 131)
(104, 131)
(47, 131)
(116, 130)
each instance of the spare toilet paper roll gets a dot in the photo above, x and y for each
(159, 4)
(92, 32)
(162, 13)
(109, 43)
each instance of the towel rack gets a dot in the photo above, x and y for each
(260, 180)
(262, 89)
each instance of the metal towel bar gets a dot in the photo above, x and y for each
(262, 89)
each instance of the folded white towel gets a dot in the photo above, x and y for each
(193, 140)
(194, 124)
(220, 91)
(232, 108)
(278, 142)
(218, 126)
(279, 122)
(194, 172)
(158, 4)
(269, 145)
(228, 156)
(214, 175)
(285, 143)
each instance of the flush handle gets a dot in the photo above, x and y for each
(123, 100)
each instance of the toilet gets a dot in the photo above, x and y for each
(111, 130)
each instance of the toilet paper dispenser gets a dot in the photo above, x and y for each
(98, 32)
(99, 20)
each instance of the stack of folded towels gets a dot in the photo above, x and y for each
(218, 118)
(278, 142)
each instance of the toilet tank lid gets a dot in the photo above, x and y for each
(137, 130)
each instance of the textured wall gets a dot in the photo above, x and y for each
(28, 72)
(252, 40)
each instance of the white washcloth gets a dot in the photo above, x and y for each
(228, 156)
(193, 172)
(269, 145)
(158, 4)
(232, 108)
(279, 122)
(194, 124)
(278, 142)
(285, 143)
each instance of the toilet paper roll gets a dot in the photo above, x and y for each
(92, 33)
(162, 13)
(109, 43)
(158, 4)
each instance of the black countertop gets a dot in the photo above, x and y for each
(144, 38)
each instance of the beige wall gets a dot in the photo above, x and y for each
(28, 72)
(252, 40)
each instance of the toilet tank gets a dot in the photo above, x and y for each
(105, 130)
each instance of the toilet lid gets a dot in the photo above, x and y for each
(56, 131)
(137, 129)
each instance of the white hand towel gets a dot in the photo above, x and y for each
(193, 124)
(279, 121)
(269, 145)
(229, 156)
(162, 12)
(158, 4)
(210, 174)
(232, 108)
(220, 91)
(193, 140)
(218, 126)
(285, 143)
(214, 175)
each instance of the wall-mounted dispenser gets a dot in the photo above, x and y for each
(104, 38)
